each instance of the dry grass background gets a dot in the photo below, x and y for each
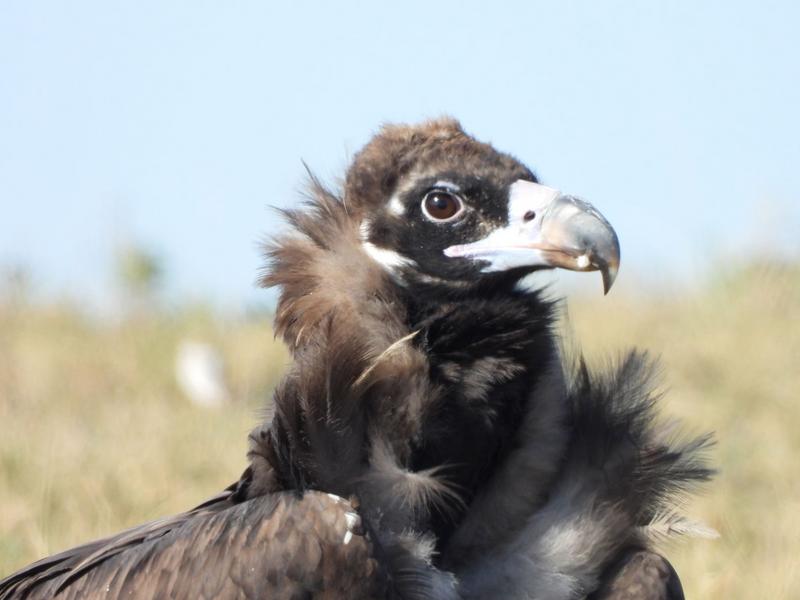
(95, 436)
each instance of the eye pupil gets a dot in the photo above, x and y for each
(441, 205)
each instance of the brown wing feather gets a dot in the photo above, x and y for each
(274, 546)
(66, 565)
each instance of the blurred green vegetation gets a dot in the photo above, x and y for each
(96, 436)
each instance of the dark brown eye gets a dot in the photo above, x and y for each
(441, 206)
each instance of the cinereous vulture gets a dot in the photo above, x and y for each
(431, 439)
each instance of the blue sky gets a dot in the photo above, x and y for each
(177, 124)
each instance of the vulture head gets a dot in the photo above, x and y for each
(441, 209)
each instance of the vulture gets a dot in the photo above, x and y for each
(432, 438)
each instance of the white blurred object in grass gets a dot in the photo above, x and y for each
(200, 374)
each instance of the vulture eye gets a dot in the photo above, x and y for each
(439, 205)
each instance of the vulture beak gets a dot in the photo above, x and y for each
(547, 229)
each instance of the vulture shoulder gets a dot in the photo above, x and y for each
(640, 575)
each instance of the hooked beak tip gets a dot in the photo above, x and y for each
(609, 273)
(586, 228)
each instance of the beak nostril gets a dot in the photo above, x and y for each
(529, 216)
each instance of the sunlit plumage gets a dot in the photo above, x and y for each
(430, 439)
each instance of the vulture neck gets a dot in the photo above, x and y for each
(407, 395)
(487, 350)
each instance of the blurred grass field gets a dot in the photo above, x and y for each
(95, 435)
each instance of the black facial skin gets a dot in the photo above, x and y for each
(416, 236)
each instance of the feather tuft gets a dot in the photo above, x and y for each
(666, 526)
